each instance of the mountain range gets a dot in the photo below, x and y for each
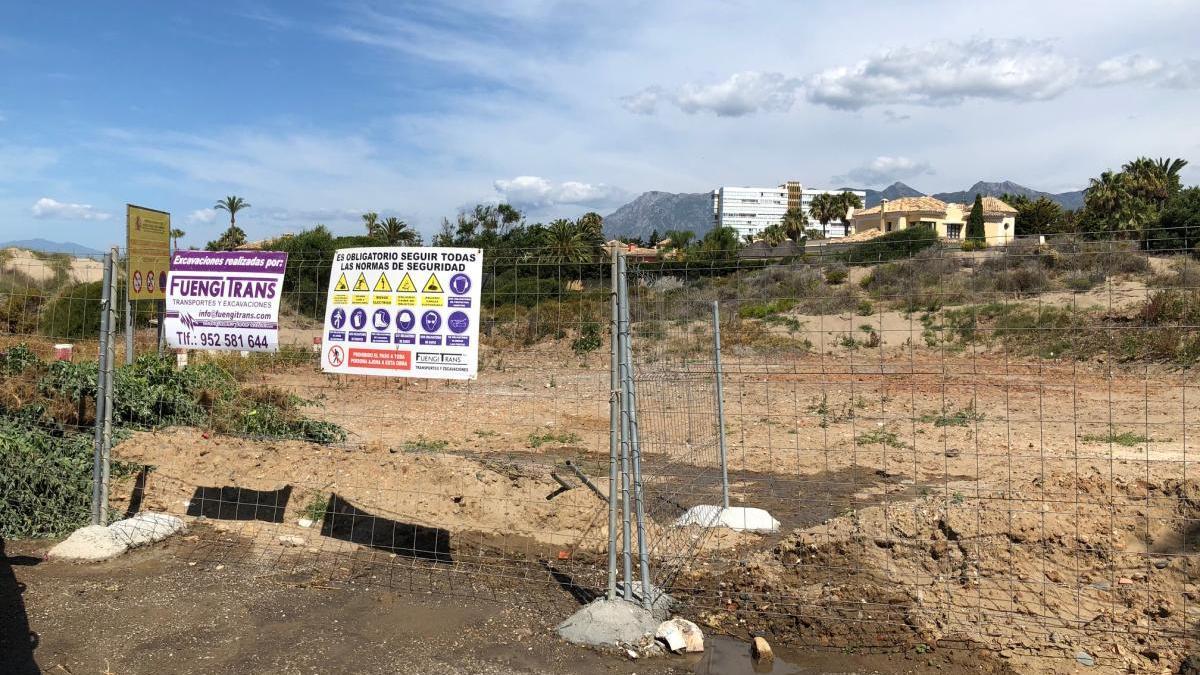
(664, 211)
(47, 246)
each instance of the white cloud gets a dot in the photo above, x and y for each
(532, 192)
(1123, 69)
(201, 217)
(740, 94)
(53, 209)
(884, 170)
(644, 102)
(1182, 75)
(948, 73)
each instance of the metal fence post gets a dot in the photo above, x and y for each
(109, 367)
(128, 312)
(716, 308)
(629, 402)
(614, 423)
(101, 391)
(622, 413)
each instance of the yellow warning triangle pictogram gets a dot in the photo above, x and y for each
(361, 286)
(433, 285)
(383, 285)
(406, 285)
(341, 285)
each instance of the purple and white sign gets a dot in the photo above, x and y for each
(225, 300)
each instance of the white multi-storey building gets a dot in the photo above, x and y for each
(750, 210)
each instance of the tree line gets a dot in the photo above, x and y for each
(1144, 201)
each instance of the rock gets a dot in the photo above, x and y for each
(1124, 581)
(145, 528)
(1085, 659)
(291, 540)
(680, 635)
(304, 522)
(760, 649)
(631, 654)
(94, 542)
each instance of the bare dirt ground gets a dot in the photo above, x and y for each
(966, 501)
(180, 608)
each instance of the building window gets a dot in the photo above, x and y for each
(954, 230)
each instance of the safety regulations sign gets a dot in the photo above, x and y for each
(226, 301)
(148, 245)
(402, 311)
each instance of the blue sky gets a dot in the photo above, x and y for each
(316, 112)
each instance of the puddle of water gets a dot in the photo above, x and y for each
(726, 656)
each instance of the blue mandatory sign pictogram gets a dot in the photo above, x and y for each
(381, 319)
(431, 321)
(458, 322)
(460, 284)
(338, 318)
(358, 318)
(405, 320)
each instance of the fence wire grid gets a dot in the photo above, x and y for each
(987, 450)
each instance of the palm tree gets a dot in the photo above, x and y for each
(396, 232)
(176, 235)
(679, 239)
(371, 221)
(592, 225)
(1171, 168)
(847, 200)
(775, 235)
(232, 204)
(826, 207)
(793, 223)
(565, 242)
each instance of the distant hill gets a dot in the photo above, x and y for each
(47, 246)
(894, 191)
(661, 211)
(1067, 200)
(664, 211)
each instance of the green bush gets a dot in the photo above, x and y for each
(892, 245)
(588, 340)
(836, 274)
(46, 480)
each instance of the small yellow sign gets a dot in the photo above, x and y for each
(361, 285)
(342, 286)
(383, 285)
(433, 285)
(406, 285)
(148, 247)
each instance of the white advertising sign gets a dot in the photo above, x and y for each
(224, 300)
(401, 311)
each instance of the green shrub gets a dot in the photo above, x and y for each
(892, 245)
(836, 274)
(588, 340)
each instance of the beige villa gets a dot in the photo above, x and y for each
(948, 220)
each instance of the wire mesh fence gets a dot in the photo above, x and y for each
(987, 449)
(962, 448)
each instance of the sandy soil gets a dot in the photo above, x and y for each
(24, 262)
